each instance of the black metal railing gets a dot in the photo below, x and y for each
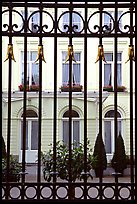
(89, 191)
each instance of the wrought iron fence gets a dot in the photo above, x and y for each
(56, 190)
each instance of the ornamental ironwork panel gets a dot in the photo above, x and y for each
(90, 24)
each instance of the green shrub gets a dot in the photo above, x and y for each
(120, 160)
(62, 161)
(99, 153)
(14, 169)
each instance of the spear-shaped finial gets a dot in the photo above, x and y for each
(130, 53)
(100, 54)
(40, 54)
(70, 53)
(10, 54)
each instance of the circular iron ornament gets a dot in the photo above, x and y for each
(70, 29)
(65, 195)
(109, 188)
(127, 28)
(14, 26)
(30, 187)
(95, 188)
(105, 28)
(80, 189)
(3, 191)
(123, 188)
(36, 28)
(50, 190)
(19, 192)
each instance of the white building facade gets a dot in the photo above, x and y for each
(78, 71)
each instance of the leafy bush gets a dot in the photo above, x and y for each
(62, 161)
(14, 169)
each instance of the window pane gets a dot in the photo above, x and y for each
(34, 135)
(66, 132)
(109, 56)
(65, 74)
(119, 56)
(35, 22)
(108, 136)
(35, 74)
(107, 74)
(32, 68)
(30, 114)
(65, 22)
(76, 132)
(33, 56)
(111, 113)
(64, 55)
(119, 127)
(76, 22)
(77, 56)
(119, 77)
(26, 147)
(76, 73)
(74, 114)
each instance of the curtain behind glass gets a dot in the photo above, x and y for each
(108, 136)
(76, 132)
(34, 135)
(26, 147)
(107, 74)
(66, 132)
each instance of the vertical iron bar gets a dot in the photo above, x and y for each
(131, 105)
(115, 92)
(70, 99)
(24, 106)
(9, 106)
(100, 95)
(55, 105)
(40, 107)
(85, 105)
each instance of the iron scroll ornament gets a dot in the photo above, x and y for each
(14, 28)
(44, 28)
(114, 25)
(67, 28)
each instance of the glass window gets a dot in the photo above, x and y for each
(76, 22)
(109, 132)
(34, 20)
(109, 22)
(109, 69)
(31, 130)
(76, 69)
(32, 68)
(75, 128)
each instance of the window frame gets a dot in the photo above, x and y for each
(75, 118)
(112, 128)
(30, 75)
(111, 79)
(73, 63)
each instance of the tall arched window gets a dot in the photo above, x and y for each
(31, 136)
(75, 127)
(109, 130)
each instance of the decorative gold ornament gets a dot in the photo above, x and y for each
(100, 54)
(40, 54)
(70, 53)
(130, 53)
(10, 54)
